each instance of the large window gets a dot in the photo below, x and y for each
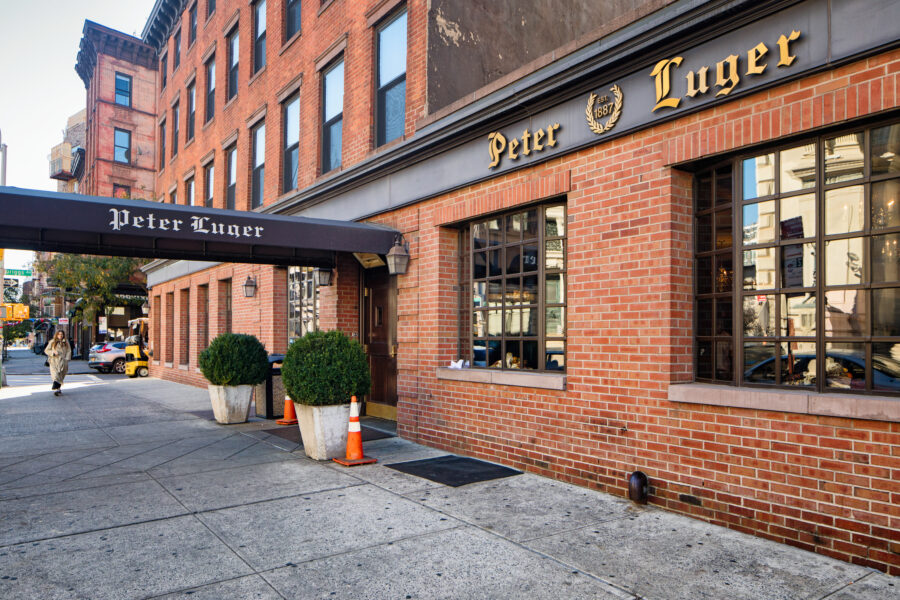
(163, 69)
(209, 181)
(189, 191)
(176, 52)
(176, 117)
(184, 316)
(225, 297)
(812, 284)
(210, 7)
(123, 89)
(162, 145)
(514, 279)
(191, 110)
(192, 25)
(231, 176)
(390, 101)
(303, 302)
(259, 35)
(291, 18)
(233, 56)
(291, 120)
(333, 114)
(122, 143)
(258, 158)
(210, 89)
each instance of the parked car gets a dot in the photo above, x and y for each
(108, 357)
(845, 369)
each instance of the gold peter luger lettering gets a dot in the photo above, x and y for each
(517, 147)
(727, 72)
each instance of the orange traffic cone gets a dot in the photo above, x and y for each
(290, 417)
(354, 440)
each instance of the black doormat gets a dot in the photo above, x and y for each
(292, 433)
(454, 470)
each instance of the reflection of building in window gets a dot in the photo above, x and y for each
(303, 302)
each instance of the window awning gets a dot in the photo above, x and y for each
(61, 222)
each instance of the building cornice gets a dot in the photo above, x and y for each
(97, 39)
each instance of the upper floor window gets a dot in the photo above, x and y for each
(231, 176)
(191, 110)
(210, 7)
(209, 179)
(812, 284)
(121, 191)
(259, 35)
(162, 145)
(123, 89)
(515, 284)
(259, 165)
(291, 117)
(163, 69)
(192, 25)
(176, 117)
(122, 146)
(176, 53)
(189, 191)
(210, 88)
(390, 101)
(291, 18)
(233, 56)
(173, 197)
(333, 114)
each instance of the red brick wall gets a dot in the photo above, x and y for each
(826, 484)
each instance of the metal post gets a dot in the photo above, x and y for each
(2, 269)
(2, 160)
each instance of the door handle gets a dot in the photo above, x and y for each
(393, 350)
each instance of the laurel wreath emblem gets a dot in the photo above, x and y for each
(597, 126)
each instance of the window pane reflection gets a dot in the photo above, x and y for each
(723, 229)
(886, 366)
(844, 157)
(798, 168)
(704, 192)
(556, 321)
(556, 355)
(759, 222)
(846, 313)
(886, 258)
(704, 360)
(724, 361)
(798, 266)
(759, 362)
(556, 290)
(844, 210)
(479, 294)
(705, 318)
(885, 144)
(759, 176)
(555, 219)
(759, 316)
(886, 312)
(798, 217)
(798, 366)
(704, 233)
(845, 366)
(724, 321)
(555, 254)
(759, 269)
(844, 262)
(494, 323)
(704, 275)
(886, 204)
(798, 315)
(724, 273)
(513, 228)
(530, 321)
(530, 289)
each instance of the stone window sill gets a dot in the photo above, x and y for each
(876, 408)
(546, 381)
(167, 365)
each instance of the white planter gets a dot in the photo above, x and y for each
(230, 403)
(323, 430)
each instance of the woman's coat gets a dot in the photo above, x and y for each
(59, 360)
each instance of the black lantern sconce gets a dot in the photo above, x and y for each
(249, 287)
(322, 277)
(398, 256)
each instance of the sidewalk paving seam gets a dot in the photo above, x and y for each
(197, 517)
(831, 594)
(117, 461)
(6, 484)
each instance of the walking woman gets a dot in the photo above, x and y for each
(59, 354)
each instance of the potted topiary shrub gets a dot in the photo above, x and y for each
(321, 371)
(233, 363)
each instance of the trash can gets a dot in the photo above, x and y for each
(269, 395)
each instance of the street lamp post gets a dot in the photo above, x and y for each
(2, 269)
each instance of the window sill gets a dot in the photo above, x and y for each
(546, 381)
(188, 143)
(167, 365)
(325, 4)
(256, 75)
(229, 102)
(290, 42)
(876, 408)
(208, 123)
(183, 367)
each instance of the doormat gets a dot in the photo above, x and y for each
(292, 434)
(454, 470)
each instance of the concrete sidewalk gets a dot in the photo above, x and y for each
(124, 489)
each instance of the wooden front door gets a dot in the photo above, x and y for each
(380, 339)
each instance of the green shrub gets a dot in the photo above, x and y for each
(234, 359)
(324, 368)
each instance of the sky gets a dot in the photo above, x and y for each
(39, 88)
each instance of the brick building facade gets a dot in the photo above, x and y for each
(572, 220)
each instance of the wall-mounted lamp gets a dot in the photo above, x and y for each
(322, 277)
(398, 256)
(145, 309)
(249, 287)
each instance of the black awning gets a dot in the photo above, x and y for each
(59, 222)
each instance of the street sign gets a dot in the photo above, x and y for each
(63, 321)
(19, 272)
(10, 282)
